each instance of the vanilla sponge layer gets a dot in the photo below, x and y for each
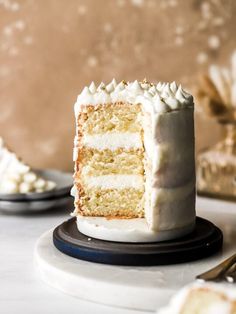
(105, 162)
(127, 202)
(117, 117)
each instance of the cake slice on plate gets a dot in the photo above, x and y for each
(134, 153)
(17, 177)
(203, 298)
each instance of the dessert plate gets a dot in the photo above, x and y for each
(63, 182)
(205, 240)
(35, 206)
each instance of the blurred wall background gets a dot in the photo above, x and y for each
(50, 49)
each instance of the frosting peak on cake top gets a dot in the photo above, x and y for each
(161, 97)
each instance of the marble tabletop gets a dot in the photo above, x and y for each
(21, 291)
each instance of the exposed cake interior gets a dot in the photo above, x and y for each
(110, 172)
(134, 153)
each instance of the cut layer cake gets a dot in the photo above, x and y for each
(134, 153)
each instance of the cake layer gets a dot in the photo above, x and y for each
(114, 117)
(97, 162)
(113, 141)
(126, 203)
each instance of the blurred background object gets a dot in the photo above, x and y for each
(216, 94)
(50, 49)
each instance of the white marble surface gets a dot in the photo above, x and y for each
(21, 291)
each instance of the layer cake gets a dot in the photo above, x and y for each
(134, 153)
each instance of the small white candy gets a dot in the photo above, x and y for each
(9, 186)
(22, 169)
(30, 177)
(25, 187)
(16, 177)
(39, 190)
(40, 183)
(50, 185)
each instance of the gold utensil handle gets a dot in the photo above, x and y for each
(219, 273)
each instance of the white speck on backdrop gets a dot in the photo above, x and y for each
(92, 61)
(137, 3)
(82, 9)
(202, 58)
(214, 42)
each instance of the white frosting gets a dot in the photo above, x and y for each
(113, 141)
(164, 195)
(222, 307)
(162, 97)
(170, 169)
(115, 181)
(126, 230)
(18, 177)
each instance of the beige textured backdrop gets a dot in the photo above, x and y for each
(49, 49)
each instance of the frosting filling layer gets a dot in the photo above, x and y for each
(113, 141)
(115, 181)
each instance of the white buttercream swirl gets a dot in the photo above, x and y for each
(162, 97)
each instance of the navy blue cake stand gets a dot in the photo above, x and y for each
(205, 240)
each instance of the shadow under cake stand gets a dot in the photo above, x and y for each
(126, 274)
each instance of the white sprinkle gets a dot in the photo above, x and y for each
(89, 239)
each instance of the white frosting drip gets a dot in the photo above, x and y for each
(120, 181)
(18, 177)
(113, 141)
(223, 307)
(162, 97)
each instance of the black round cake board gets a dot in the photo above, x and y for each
(204, 241)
